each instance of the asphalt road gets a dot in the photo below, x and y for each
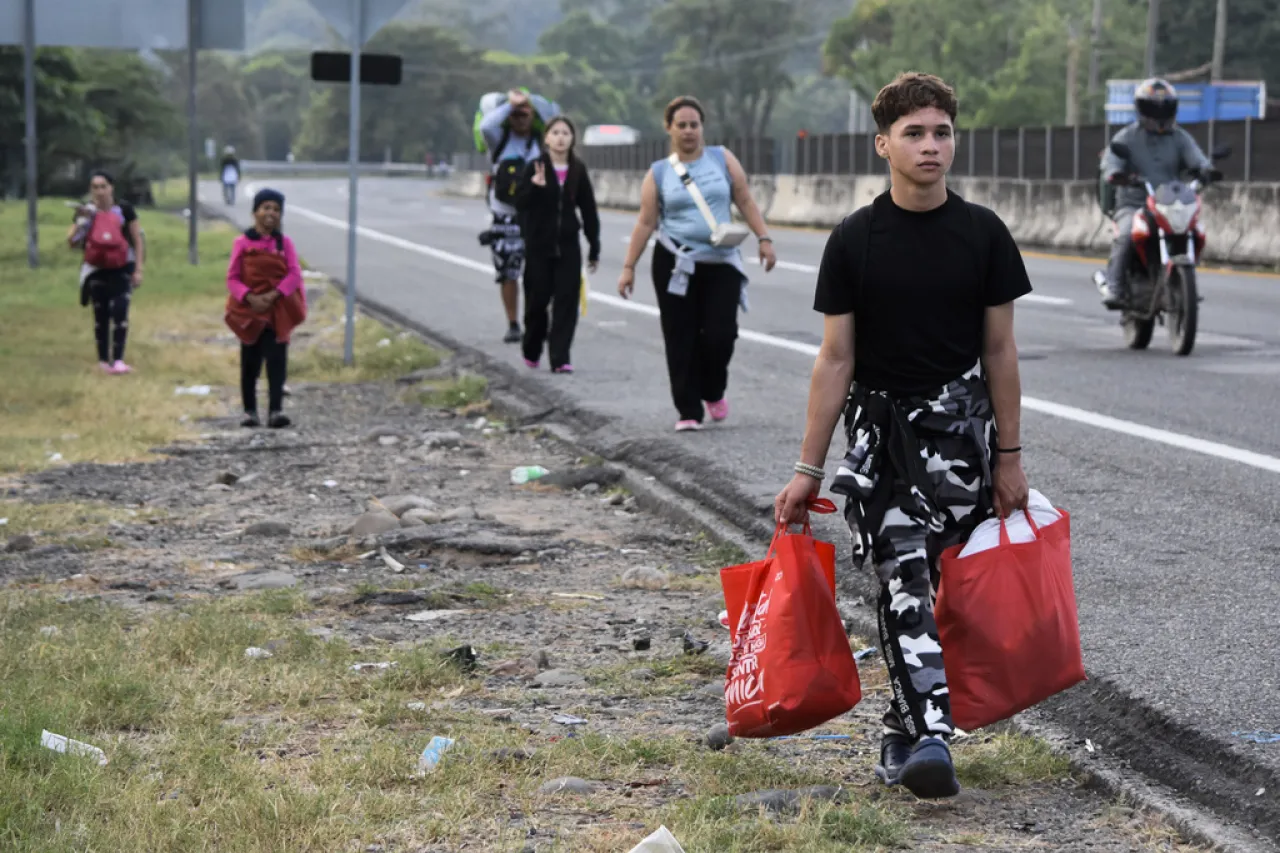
(1170, 467)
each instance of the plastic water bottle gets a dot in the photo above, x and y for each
(431, 755)
(527, 474)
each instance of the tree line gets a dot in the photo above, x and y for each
(761, 67)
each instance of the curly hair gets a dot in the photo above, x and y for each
(680, 103)
(910, 92)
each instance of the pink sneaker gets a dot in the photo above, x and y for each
(564, 368)
(532, 365)
(120, 368)
(105, 367)
(688, 426)
(718, 410)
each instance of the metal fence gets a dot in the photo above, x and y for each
(1039, 153)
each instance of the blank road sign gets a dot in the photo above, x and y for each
(126, 24)
(376, 68)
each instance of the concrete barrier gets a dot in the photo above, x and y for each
(1242, 220)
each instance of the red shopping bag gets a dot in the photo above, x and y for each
(791, 667)
(1008, 625)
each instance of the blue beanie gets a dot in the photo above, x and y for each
(266, 195)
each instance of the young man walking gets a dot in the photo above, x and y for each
(917, 291)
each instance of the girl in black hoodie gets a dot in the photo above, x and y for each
(553, 189)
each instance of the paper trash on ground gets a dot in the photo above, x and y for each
(193, 391)
(661, 841)
(62, 743)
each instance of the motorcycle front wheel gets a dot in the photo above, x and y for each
(1184, 309)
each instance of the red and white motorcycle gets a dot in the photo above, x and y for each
(1160, 275)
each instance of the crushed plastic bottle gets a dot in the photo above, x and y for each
(431, 755)
(527, 474)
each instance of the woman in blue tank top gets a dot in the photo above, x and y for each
(699, 285)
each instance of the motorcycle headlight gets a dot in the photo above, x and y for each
(1178, 215)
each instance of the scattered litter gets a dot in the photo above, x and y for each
(568, 720)
(863, 654)
(385, 342)
(480, 423)
(1258, 737)
(391, 562)
(812, 737)
(464, 472)
(1260, 792)
(330, 484)
(497, 712)
(255, 653)
(3, 522)
(694, 646)
(527, 474)
(367, 555)
(626, 552)
(49, 631)
(1088, 744)
(583, 595)
(661, 841)
(64, 744)
(417, 706)
(463, 657)
(55, 457)
(724, 618)
(433, 615)
(193, 391)
(361, 667)
(431, 755)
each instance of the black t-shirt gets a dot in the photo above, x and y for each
(919, 313)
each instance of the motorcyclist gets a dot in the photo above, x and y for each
(1160, 151)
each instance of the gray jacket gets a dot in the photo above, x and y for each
(1158, 157)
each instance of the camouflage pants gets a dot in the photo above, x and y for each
(918, 480)
(507, 248)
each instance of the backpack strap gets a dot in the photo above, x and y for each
(502, 144)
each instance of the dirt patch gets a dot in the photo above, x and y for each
(577, 704)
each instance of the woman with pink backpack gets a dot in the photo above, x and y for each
(114, 255)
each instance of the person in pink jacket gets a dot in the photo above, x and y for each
(266, 300)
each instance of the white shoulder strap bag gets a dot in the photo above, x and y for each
(723, 235)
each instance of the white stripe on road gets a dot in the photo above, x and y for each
(1047, 407)
(810, 269)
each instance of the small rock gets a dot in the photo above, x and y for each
(398, 505)
(317, 596)
(227, 478)
(617, 499)
(434, 615)
(590, 489)
(325, 546)
(273, 579)
(576, 478)
(276, 645)
(446, 438)
(320, 632)
(416, 706)
(421, 516)
(21, 543)
(249, 478)
(48, 550)
(427, 374)
(380, 432)
(544, 660)
(49, 631)
(694, 646)
(389, 440)
(461, 513)
(641, 644)
(569, 785)
(268, 528)
(408, 521)
(553, 554)
(134, 586)
(714, 690)
(514, 668)
(642, 673)
(375, 848)
(163, 597)
(218, 487)
(255, 653)
(645, 577)
(392, 598)
(374, 523)
(718, 737)
(783, 801)
(559, 678)
(509, 754)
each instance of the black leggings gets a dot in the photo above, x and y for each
(276, 355)
(700, 329)
(552, 286)
(111, 294)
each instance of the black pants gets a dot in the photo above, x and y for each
(276, 355)
(110, 293)
(555, 284)
(700, 329)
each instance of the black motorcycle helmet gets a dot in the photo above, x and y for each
(1156, 103)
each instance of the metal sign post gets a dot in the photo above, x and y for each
(193, 131)
(353, 180)
(29, 97)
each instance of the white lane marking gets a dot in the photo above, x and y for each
(810, 269)
(1047, 407)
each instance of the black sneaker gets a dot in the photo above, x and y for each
(929, 773)
(278, 420)
(895, 749)
(251, 420)
(514, 335)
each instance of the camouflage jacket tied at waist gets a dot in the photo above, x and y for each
(886, 438)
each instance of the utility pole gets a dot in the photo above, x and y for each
(1095, 60)
(29, 97)
(1073, 74)
(193, 133)
(1153, 24)
(1219, 41)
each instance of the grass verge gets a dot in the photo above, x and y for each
(57, 407)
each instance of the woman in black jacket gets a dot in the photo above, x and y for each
(553, 189)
